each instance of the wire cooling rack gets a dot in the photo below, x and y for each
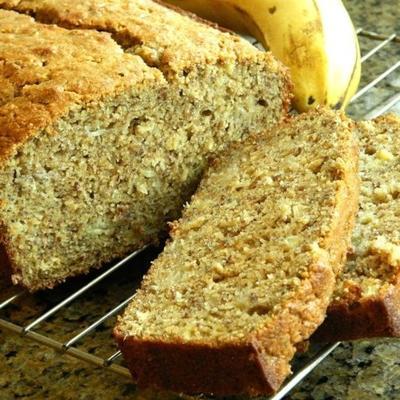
(379, 92)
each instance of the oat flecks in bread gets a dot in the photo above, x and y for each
(98, 150)
(250, 267)
(366, 301)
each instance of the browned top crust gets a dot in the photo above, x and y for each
(163, 37)
(45, 71)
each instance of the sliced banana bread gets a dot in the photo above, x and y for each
(366, 301)
(250, 268)
(98, 151)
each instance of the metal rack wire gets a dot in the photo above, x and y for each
(373, 45)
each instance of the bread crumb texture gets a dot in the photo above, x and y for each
(253, 258)
(98, 150)
(374, 260)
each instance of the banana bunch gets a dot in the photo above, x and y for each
(314, 38)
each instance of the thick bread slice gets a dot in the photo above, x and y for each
(250, 268)
(97, 149)
(366, 301)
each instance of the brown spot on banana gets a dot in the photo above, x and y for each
(313, 26)
(311, 29)
(272, 10)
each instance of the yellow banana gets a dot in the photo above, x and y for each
(314, 38)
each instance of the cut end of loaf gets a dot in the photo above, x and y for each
(251, 262)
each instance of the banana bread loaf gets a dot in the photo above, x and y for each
(98, 150)
(250, 268)
(366, 301)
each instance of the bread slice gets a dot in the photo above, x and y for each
(98, 150)
(366, 301)
(250, 268)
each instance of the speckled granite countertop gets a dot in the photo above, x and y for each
(365, 370)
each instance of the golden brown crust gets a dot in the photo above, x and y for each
(43, 68)
(197, 366)
(32, 102)
(137, 25)
(363, 318)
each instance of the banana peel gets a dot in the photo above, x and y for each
(316, 39)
